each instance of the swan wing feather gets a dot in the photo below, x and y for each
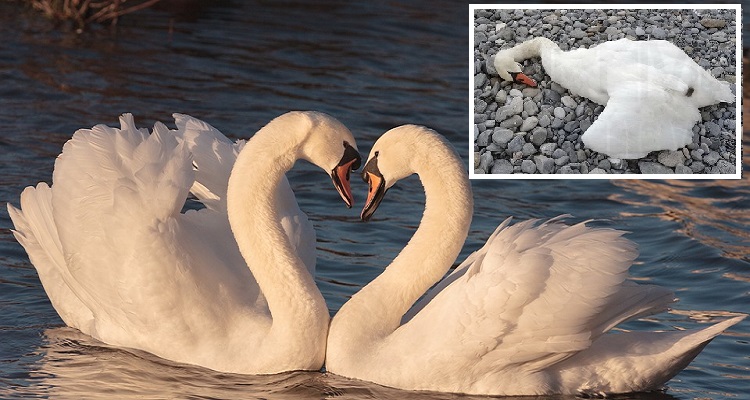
(640, 118)
(116, 202)
(539, 295)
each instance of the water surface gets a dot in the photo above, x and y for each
(238, 65)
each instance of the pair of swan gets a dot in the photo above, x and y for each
(230, 287)
(652, 90)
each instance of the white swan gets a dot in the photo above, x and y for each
(652, 90)
(527, 314)
(121, 263)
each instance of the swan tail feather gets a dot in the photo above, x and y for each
(36, 231)
(636, 361)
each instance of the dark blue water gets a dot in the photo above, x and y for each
(239, 64)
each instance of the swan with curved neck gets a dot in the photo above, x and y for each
(121, 263)
(652, 90)
(527, 314)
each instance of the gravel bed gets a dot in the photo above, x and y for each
(524, 130)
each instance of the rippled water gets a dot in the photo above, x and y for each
(239, 64)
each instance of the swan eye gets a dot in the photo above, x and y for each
(377, 153)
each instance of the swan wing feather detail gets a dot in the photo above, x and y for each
(639, 118)
(534, 296)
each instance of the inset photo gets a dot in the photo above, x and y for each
(579, 92)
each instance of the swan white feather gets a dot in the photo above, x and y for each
(222, 287)
(652, 90)
(527, 314)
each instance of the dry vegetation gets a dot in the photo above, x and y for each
(84, 12)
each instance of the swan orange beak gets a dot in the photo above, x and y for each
(340, 175)
(376, 191)
(520, 77)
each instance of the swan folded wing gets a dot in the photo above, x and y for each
(539, 295)
(641, 117)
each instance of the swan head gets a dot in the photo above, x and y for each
(329, 145)
(508, 69)
(397, 154)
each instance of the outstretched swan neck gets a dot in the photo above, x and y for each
(251, 204)
(537, 47)
(377, 310)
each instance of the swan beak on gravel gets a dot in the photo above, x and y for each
(350, 161)
(376, 191)
(520, 77)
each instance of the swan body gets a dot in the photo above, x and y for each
(226, 287)
(652, 90)
(527, 314)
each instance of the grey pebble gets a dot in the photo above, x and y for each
(516, 144)
(544, 164)
(551, 97)
(580, 155)
(557, 123)
(512, 123)
(724, 167)
(494, 147)
(479, 80)
(557, 88)
(671, 158)
(597, 171)
(571, 126)
(485, 160)
(711, 158)
(559, 153)
(502, 166)
(502, 136)
(528, 167)
(501, 96)
(544, 120)
(528, 149)
(538, 136)
(483, 139)
(530, 107)
(648, 167)
(529, 124)
(547, 148)
(568, 102)
(659, 33)
(559, 113)
(562, 160)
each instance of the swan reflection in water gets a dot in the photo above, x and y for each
(72, 365)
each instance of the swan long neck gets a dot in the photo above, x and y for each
(252, 195)
(537, 47)
(430, 252)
